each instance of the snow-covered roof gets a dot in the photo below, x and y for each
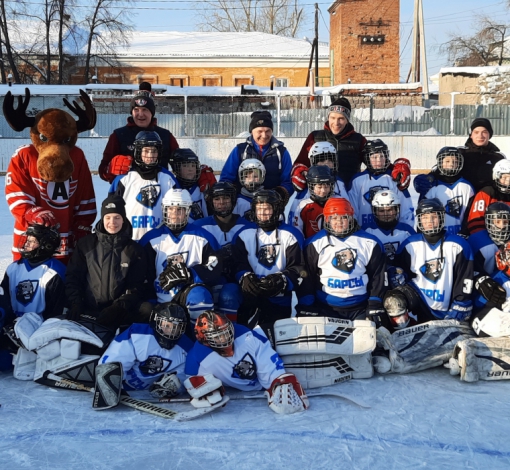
(492, 70)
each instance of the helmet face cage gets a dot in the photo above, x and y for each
(186, 166)
(252, 174)
(180, 199)
(431, 230)
(339, 217)
(222, 189)
(449, 161)
(324, 153)
(502, 171)
(376, 148)
(382, 202)
(215, 330)
(498, 225)
(48, 239)
(147, 139)
(322, 176)
(169, 323)
(267, 196)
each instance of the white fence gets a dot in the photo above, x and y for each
(421, 150)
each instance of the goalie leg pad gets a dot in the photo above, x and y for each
(495, 324)
(24, 364)
(49, 351)
(306, 335)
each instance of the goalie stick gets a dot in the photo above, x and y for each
(53, 380)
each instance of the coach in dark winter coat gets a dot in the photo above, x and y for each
(107, 270)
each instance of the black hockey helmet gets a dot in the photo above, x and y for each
(271, 197)
(221, 189)
(48, 239)
(376, 147)
(497, 222)
(454, 164)
(319, 175)
(430, 206)
(147, 139)
(168, 320)
(187, 158)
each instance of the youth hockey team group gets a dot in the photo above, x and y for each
(195, 276)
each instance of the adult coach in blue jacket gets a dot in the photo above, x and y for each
(262, 145)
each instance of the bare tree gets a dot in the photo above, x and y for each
(5, 14)
(280, 17)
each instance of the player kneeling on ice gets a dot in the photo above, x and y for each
(234, 355)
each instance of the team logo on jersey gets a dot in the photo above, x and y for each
(176, 258)
(154, 365)
(267, 255)
(454, 206)
(390, 249)
(226, 251)
(345, 260)
(25, 291)
(369, 195)
(318, 223)
(196, 211)
(149, 195)
(433, 269)
(57, 195)
(245, 369)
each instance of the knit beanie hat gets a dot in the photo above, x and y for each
(261, 119)
(342, 106)
(482, 122)
(113, 204)
(143, 99)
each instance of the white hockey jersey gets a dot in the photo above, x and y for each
(391, 239)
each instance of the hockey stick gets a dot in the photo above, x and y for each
(53, 380)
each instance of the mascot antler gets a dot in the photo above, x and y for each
(17, 118)
(86, 117)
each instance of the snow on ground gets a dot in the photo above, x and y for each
(423, 420)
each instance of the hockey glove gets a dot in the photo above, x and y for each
(167, 386)
(286, 395)
(205, 390)
(298, 176)
(273, 284)
(206, 178)
(250, 284)
(424, 183)
(120, 165)
(401, 173)
(376, 313)
(491, 290)
(173, 275)
(40, 216)
(459, 313)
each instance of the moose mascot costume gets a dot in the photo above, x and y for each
(49, 182)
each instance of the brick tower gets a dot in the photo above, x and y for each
(364, 41)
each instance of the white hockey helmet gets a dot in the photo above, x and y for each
(252, 174)
(381, 202)
(321, 152)
(176, 198)
(501, 168)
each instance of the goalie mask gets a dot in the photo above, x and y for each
(168, 321)
(386, 208)
(186, 166)
(339, 217)
(176, 207)
(323, 153)
(376, 156)
(320, 184)
(395, 304)
(497, 221)
(501, 175)
(252, 174)
(215, 330)
(430, 215)
(266, 207)
(148, 147)
(221, 198)
(449, 161)
(39, 243)
(503, 258)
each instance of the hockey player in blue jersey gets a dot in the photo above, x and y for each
(153, 355)
(235, 356)
(376, 177)
(251, 174)
(144, 186)
(184, 261)
(438, 267)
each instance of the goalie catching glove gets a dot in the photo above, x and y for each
(173, 275)
(205, 390)
(273, 285)
(167, 386)
(286, 395)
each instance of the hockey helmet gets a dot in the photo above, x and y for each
(180, 198)
(376, 156)
(450, 161)
(426, 208)
(271, 197)
(386, 208)
(168, 320)
(151, 140)
(395, 304)
(324, 153)
(221, 189)
(186, 166)
(339, 217)
(48, 240)
(318, 179)
(215, 330)
(501, 175)
(497, 222)
(252, 174)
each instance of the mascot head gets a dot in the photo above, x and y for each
(52, 131)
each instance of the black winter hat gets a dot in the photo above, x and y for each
(342, 106)
(143, 99)
(261, 119)
(482, 122)
(113, 204)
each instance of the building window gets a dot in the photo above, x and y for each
(239, 80)
(113, 78)
(282, 82)
(211, 80)
(175, 80)
(153, 79)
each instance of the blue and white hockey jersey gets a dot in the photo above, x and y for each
(199, 207)
(484, 250)
(391, 239)
(254, 365)
(243, 205)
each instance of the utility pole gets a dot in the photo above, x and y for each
(316, 44)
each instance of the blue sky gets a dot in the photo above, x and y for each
(441, 17)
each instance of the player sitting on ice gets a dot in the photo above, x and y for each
(152, 355)
(454, 192)
(183, 260)
(252, 174)
(186, 167)
(376, 177)
(233, 355)
(143, 187)
(224, 225)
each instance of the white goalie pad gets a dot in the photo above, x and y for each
(26, 326)
(481, 359)
(321, 370)
(24, 364)
(496, 324)
(307, 335)
(422, 346)
(54, 329)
